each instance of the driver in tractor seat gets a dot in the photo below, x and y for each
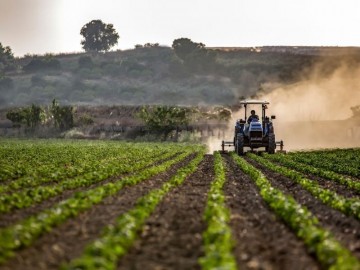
(252, 117)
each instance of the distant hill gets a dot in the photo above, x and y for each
(157, 76)
(301, 50)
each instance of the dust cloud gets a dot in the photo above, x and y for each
(317, 98)
(214, 144)
(314, 112)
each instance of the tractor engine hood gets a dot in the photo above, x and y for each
(255, 131)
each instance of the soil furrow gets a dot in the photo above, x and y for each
(330, 184)
(262, 241)
(18, 214)
(172, 236)
(68, 240)
(345, 229)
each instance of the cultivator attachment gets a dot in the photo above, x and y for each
(231, 144)
(281, 144)
(226, 143)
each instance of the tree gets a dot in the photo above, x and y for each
(63, 115)
(32, 116)
(164, 119)
(6, 58)
(16, 116)
(194, 55)
(184, 47)
(98, 36)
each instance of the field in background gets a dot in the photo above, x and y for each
(121, 205)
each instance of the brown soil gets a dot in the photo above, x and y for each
(332, 185)
(19, 214)
(345, 229)
(68, 240)
(172, 235)
(335, 186)
(262, 241)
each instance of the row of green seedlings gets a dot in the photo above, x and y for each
(34, 158)
(329, 252)
(30, 196)
(348, 206)
(342, 161)
(56, 160)
(43, 159)
(88, 167)
(62, 165)
(115, 240)
(304, 168)
(218, 242)
(25, 232)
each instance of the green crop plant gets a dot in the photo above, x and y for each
(304, 168)
(70, 173)
(30, 196)
(343, 161)
(115, 240)
(218, 242)
(27, 231)
(330, 253)
(350, 207)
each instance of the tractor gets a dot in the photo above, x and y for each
(253, 132)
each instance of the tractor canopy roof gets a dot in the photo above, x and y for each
(253, 101)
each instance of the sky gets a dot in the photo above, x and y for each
(53, 26)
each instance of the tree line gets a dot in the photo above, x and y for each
(98, 36)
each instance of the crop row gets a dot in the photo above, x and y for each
(30, 196)
(57, 159)
(330, 253)
(304, 168)
(64, 176)
(218, 243)
(343, 161)
(104, 252)
(48, 158)
(25, 232)
(349, 207)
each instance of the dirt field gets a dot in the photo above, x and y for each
(172, 236)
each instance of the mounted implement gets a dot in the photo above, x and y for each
(253, 132)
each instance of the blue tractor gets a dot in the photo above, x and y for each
(253, 132)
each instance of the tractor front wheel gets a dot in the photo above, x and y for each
(239, 147)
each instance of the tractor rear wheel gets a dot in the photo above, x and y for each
(239, 147)
(272, 145)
